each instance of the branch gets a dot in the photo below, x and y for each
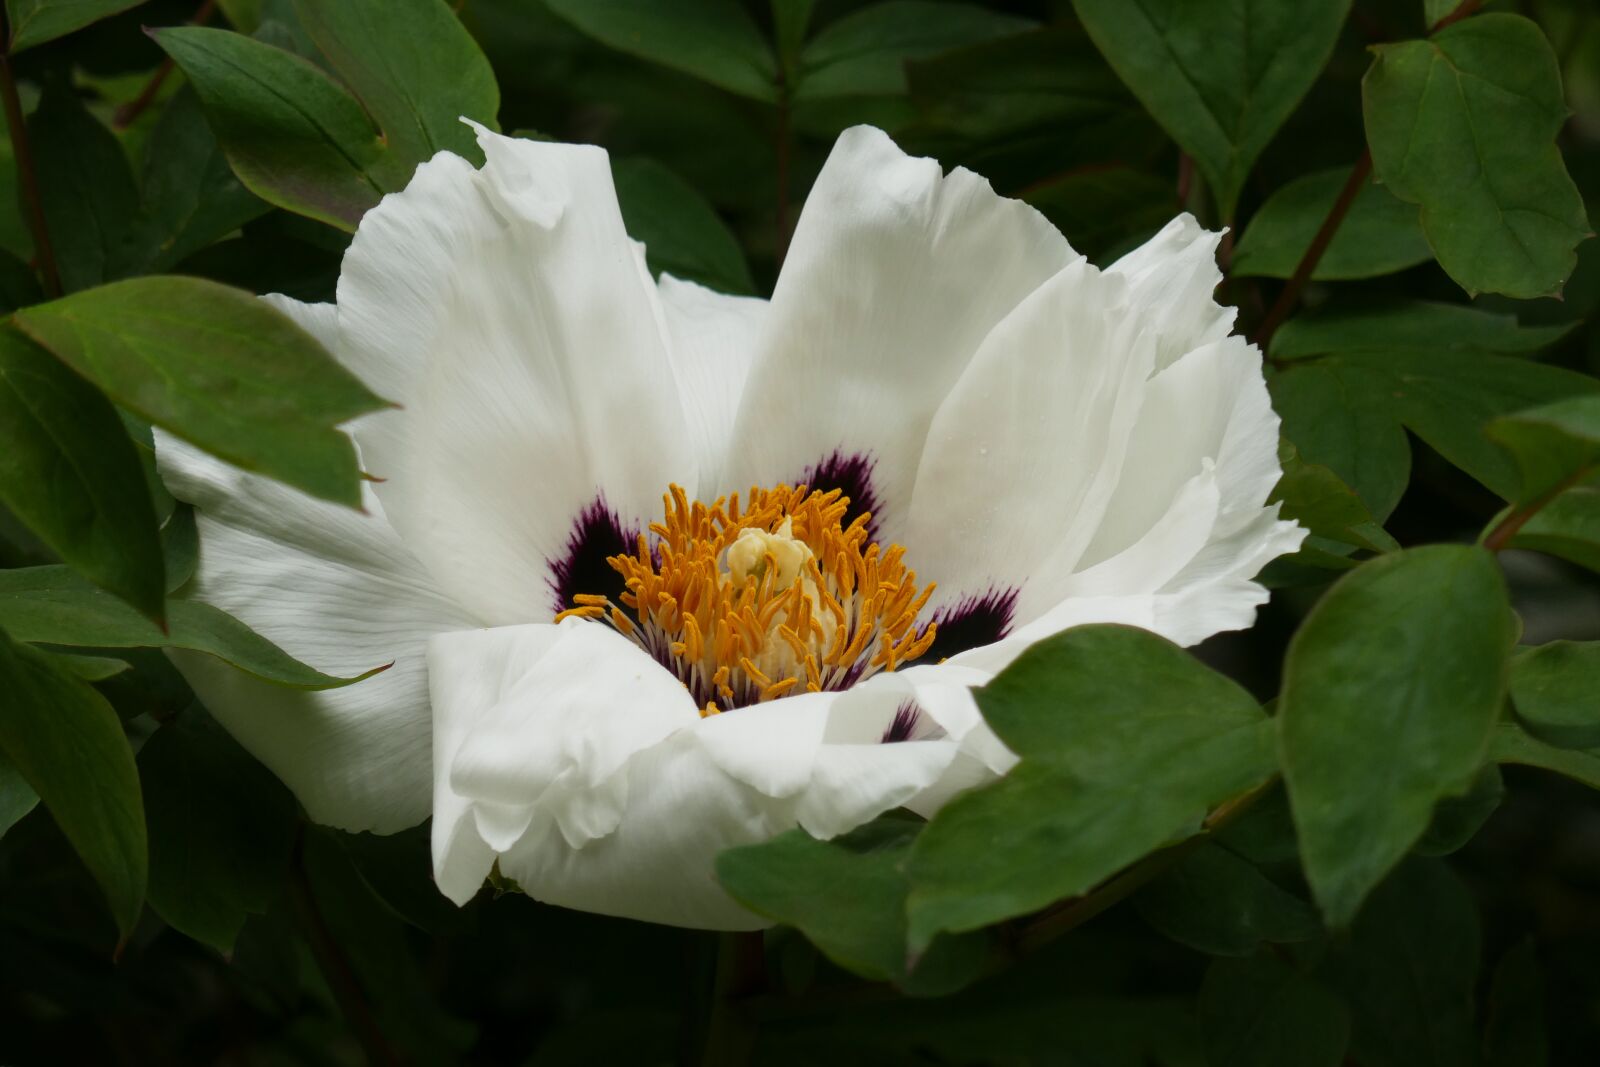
(1499, 538)
(127, 113)
(28, 176)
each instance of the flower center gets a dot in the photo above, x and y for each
(750, 603)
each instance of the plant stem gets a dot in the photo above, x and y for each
(336, 970)
(1463, 9)
(741, 973)
(28, 177)
(1313, 255)
(1500, 537)
(135, 107)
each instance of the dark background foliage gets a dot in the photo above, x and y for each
(1399, 865)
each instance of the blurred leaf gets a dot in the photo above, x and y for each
(1218, 903)
(68, 470)
(1514, 1035)
(191, 197)
(1319, 500)
(1568, 527)
(1390, 692)
(1464, 124)
(90, 201)
(180, 546)
(242, 15)
(1336, 419)
(1126, 743)
(220, 828)
(68, 745)
(294, 136)
(681, 233)
(1407, 971)
(848, 896)
(1554, 445)
(17, 797)
(37, 21)
(865, 52)
(19, 286)
(1379, 235)
(714, 40)
(218, 368)
(1511, 744)
(1555, 689)
(1456, 820)
(1099, 208)
(414, 67)
(1220, 77)
(1409, 324)
(91, 668)
(1258, 1012)
(52, 605)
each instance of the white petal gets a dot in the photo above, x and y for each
(713, 336)
(510, 315)
(1172, 278)
(895, 274)
(335, 589)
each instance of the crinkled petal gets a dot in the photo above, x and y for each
(895, 274)
(1172, 278)
(510, 315)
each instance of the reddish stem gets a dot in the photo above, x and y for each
(127, 113)
(28, 176)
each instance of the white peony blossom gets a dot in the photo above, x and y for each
(613, 657)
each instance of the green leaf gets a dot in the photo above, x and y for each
(1457, 820)
(51, 605)
(414, 66)
(1511, 744)
(1554, 445)
(68, 745)
(69, 471)
(848, 896)
(1220, 77)
(218, 368)
(1390, 692)
(90, 201)
(1259, 1013)
(293, 135)
(17, 797)
(1409, 324)
(191, 196)
(865, 52)
(1319, 500)
(1337, 419)
(1126, 743)
(1514, 1035)
(37, 21)
(1379, 235)
(1218, 903)
(1555, 689)
(682, 234)
(180, 546)
(1407, 971)
(220, 828)
(92, 668)
(1099, 209)
(1464, 124)
(714, 40)
(1568, 527)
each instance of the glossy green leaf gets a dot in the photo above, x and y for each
(714, 40)
(1319, 500)
(91, 668)
(1379, 234)
(865, 52)
(1555, 689)
(848, 896)
(1126, 743)
(220, 828)
(293, 135)
(68, 470)
(1512, 744)
(1390, 693)
(682, 234)
(191, 197)
(1515, 1034)
(1568, 527)
(219, 368)
(1409, 324)
(52, 605)
(17, 797)
(1219, 903)
(1407, 970)
(1259, 1012)
(414, 67)
(1337, 419)
(90, 201)
(1220, 77)
(1464, 124)
(68, 745)
(37, 21)
(180, 546)
(1554, 445)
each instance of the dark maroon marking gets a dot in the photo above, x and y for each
(905, 721)
(597, 534)
(975, 621)
(850, 473)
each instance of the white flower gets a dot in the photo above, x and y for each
(1045, 443)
